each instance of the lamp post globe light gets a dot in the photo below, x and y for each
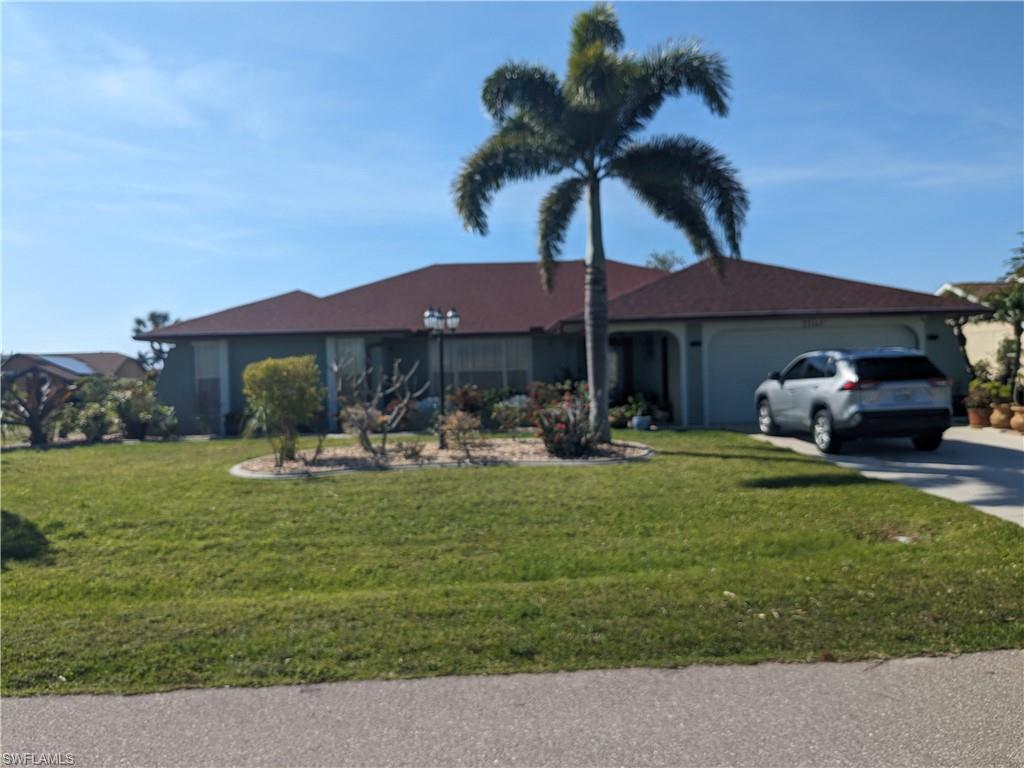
(437, 323)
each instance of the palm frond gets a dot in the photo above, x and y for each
(595, 80)
(598, 24)
(695, 165)
(556, 210)
(515, 152)
(680, 205)
(664, 73)
(525, 89)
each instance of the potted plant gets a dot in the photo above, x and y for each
(978, 403)
(619, 416)
(641, 413)
(1001, 402)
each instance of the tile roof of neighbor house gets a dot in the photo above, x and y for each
(974, 291)
(491, 298)
(507, 298)
(741, 289)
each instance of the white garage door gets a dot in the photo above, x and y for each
(740, 359)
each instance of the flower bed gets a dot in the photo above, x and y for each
(352, 458)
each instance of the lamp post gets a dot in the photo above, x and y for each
(437, 323)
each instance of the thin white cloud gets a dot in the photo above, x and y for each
(910, 174)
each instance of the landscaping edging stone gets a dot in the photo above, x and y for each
(647, 452)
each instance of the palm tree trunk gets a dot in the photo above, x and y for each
(595, 315)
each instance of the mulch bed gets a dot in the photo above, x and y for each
(480, 453)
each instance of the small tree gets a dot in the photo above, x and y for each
(153, 360)
(282, 393)
(381, 409)
(33, 400)
(666, 261)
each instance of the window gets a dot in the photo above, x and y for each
(907, 368)
(208, 405)
(817, 366)
(494, 363)
(795, 370)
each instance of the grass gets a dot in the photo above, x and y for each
(161, 571)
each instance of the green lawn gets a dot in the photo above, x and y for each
(155, 569)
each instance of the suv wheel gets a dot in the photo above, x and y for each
(927, 442)
(824, 433)
(765, 420)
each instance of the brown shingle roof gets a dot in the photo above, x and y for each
(750, 289)
(507, 298)
(492, 298)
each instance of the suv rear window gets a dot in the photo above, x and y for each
(896, 368)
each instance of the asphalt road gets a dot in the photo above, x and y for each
(980, 467)
(962, 711)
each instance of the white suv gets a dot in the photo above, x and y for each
(841, 394)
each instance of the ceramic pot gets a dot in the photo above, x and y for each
(978, 417)
(1017, 422)
(642, 423)
(1000, 418)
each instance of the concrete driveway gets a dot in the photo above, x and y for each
(980, 467)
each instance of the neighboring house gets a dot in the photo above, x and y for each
(698, 340)
(71, 366)
(983, 335)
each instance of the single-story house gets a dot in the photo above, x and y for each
(983, 335)
(699, 340)
(68, 367)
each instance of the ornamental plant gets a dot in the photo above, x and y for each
(282, 393)
(565, 426)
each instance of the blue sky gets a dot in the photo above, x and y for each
(191, 157)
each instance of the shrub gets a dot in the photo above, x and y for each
(507, 416)
(541, 395)
(163, 422)
(135, 404)
(460, 429)
(565, 426)
(94, 420)
(467, 398)
(282, 393)
(380, 410)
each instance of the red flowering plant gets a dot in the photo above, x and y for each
(564, 425)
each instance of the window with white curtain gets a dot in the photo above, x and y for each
(490, 363)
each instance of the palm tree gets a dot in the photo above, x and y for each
(583, 129)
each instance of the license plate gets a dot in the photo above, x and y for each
(903, 395)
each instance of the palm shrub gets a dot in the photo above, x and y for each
(583, 129)
(282, 393)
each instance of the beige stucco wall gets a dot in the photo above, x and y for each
(983, 340)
